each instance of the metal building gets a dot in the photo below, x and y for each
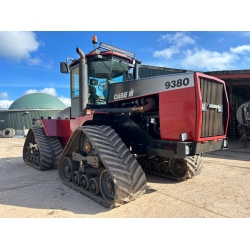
(238, 89)
(149, 71)
(20, 113)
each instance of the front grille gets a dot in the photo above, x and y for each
(212, 120)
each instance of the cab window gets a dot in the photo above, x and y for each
(75, 82)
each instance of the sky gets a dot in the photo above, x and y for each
(30, 60)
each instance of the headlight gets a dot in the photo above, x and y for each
(187, 150)
(183, 136)
(225, 143)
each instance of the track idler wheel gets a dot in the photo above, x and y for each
(84, 181)
(163, 167)
(69, 166)
(152, 165)
(76, 177)
(143, 162)
(178, 167)
(107, 186)
(94, 186)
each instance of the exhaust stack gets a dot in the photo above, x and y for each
(83, 82)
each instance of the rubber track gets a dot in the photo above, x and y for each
(49, 148)
(129, 178)
(57, 150)
(194, 163)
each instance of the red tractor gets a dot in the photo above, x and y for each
(120, 127)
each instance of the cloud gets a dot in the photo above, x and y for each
(241, 49)
(204, 59)
(4, 95)
(179, 39)
(65, 100)
(197, 58)
(50, 91)
(30, 91)
(4, 104)
(166, 53)
(17, 45)
(221, 39)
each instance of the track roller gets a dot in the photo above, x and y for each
(94, 186)
(143, 162)
(84, 181)
(178, 169)
(76, 177)
(162, 167)
(152, 165)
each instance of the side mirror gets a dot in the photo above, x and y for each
(64, 67)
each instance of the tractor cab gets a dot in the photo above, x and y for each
(94, 72)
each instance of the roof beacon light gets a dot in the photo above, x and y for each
(94, 40)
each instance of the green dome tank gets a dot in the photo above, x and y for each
(37, 101)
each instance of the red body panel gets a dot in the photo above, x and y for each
(177, 113)
(181, 112)
(79, 121)
(59, 128)
(63, 129)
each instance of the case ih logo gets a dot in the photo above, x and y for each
(124, 95)
(206, 106)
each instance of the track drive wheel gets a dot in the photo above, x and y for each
(107, 186)
(178, 167)
(185, 168)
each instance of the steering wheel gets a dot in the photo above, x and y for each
(101, 85)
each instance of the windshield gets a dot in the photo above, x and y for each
(102, 73)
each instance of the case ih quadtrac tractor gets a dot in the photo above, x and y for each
(120, 127)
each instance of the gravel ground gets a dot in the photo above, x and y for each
(222, 190)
